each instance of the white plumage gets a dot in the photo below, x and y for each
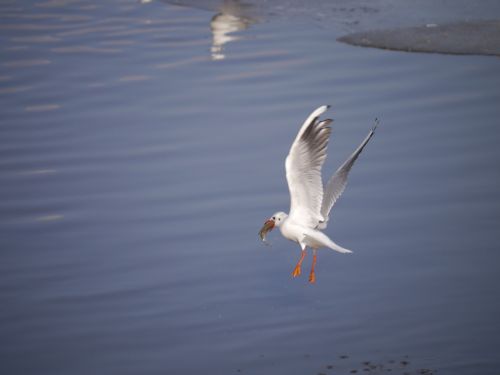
(310, 204)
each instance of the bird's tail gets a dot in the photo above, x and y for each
(318, 239)
(332, 245)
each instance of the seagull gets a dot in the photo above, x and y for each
(310, 203)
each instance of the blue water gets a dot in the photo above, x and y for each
(139, 156)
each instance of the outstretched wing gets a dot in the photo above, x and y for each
(337, 183)
(303, 169)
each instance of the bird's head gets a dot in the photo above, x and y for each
(274, 221)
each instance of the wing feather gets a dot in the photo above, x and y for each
(338, 182)
(303, 169)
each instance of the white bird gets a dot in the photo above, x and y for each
(310, 204)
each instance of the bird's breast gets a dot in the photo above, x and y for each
(292, 231)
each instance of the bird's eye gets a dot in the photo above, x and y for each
(274, 218)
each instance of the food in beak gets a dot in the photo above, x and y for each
(268, 226)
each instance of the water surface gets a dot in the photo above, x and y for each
(137, 164)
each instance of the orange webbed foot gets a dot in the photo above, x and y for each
(296, 271)
(312, 277)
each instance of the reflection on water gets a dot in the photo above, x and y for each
(26, 63)
(222, 25)
(229, 20)
(42, 107)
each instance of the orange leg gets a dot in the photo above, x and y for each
(312, 275)
(296, 270)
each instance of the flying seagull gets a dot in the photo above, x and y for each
(310, 204)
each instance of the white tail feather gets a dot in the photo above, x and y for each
(340, 249)
(317, 239)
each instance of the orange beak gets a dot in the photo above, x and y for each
(267, 227)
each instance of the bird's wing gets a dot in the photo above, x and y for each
(337, 183)
(303, 169)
